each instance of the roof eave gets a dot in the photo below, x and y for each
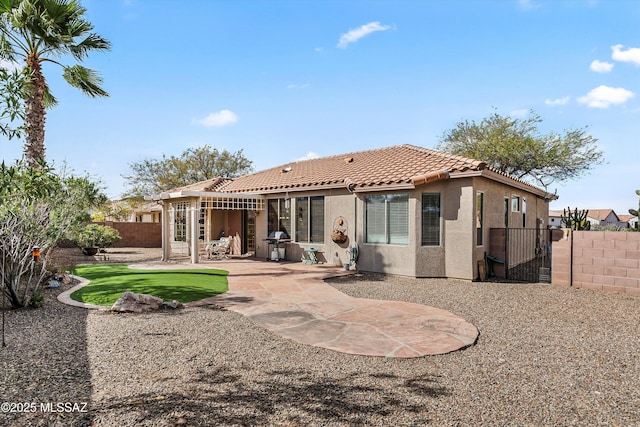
(489, 174)
(196, 193)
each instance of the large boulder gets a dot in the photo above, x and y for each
(131, 302)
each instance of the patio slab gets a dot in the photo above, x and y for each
(293, 301)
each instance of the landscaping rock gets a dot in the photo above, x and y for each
(173, 305)
(131, 302)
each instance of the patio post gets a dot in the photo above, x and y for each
(166, 243)
(195, 231)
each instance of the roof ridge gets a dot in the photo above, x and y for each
(478, 163)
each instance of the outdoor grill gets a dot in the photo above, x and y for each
(275, 239)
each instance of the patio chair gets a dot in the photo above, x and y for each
(221, 249)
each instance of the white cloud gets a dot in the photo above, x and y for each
(605, 96)
(528, 4)
(221, 118)
(310, 155)
(601, 67)
(298, 85)
(354, 35)
(559, 101)
(519, 113)
(630, 55)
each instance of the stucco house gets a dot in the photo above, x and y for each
(628, 221)
(603, 217)
(410, 211)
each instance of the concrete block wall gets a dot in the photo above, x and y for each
(137, 234)
(602, 260)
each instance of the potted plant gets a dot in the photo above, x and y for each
(92, 237)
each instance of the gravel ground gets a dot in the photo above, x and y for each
(546, 357)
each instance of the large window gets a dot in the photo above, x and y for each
(310, 219)
(279, 215)
(479, 219)
(387, 219)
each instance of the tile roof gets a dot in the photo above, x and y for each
(381, 167)
(626, 217)
(600, 214)
(213, 184)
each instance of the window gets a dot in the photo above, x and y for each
(387, 219)
(506, 212)
(515, 204)
(524, 212)
(180, 222)
(279, 215)
(431, 219)
(310, 219)
(479, 218)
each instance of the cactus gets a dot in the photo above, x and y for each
(576, 220)
(635, 212)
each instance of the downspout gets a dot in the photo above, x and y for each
(350, 184)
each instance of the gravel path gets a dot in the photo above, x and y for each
(545, 356)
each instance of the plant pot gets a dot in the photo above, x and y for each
(338, 237)
(89, 251)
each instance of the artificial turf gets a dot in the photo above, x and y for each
(110, 281)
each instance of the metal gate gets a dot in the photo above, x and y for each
(528, 255)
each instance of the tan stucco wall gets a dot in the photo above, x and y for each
(459, 217)
(494, 197)
(430, 261)
(456, 257)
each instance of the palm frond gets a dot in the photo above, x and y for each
(85, 79)
(91, 42)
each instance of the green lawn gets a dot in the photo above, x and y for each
(109, 281)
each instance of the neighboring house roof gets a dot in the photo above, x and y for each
(601, 214)
(401, 166)
(148, 207)
(555, 213)
(627, 217)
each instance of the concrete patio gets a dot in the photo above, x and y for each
(293, 301)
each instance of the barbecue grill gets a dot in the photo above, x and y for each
(275, 239)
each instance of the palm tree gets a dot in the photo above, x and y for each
(39, 31)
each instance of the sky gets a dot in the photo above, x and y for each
(290, 80)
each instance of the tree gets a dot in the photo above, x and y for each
(152, 176)
(95, 236)
(11, 106)
(39, 31)
(37, 208)
(517, 147)
(115, 210)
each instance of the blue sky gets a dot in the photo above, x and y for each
(285, 80)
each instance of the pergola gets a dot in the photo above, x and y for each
(184, 215)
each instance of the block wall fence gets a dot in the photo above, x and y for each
(137, 234)
(601, 260)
